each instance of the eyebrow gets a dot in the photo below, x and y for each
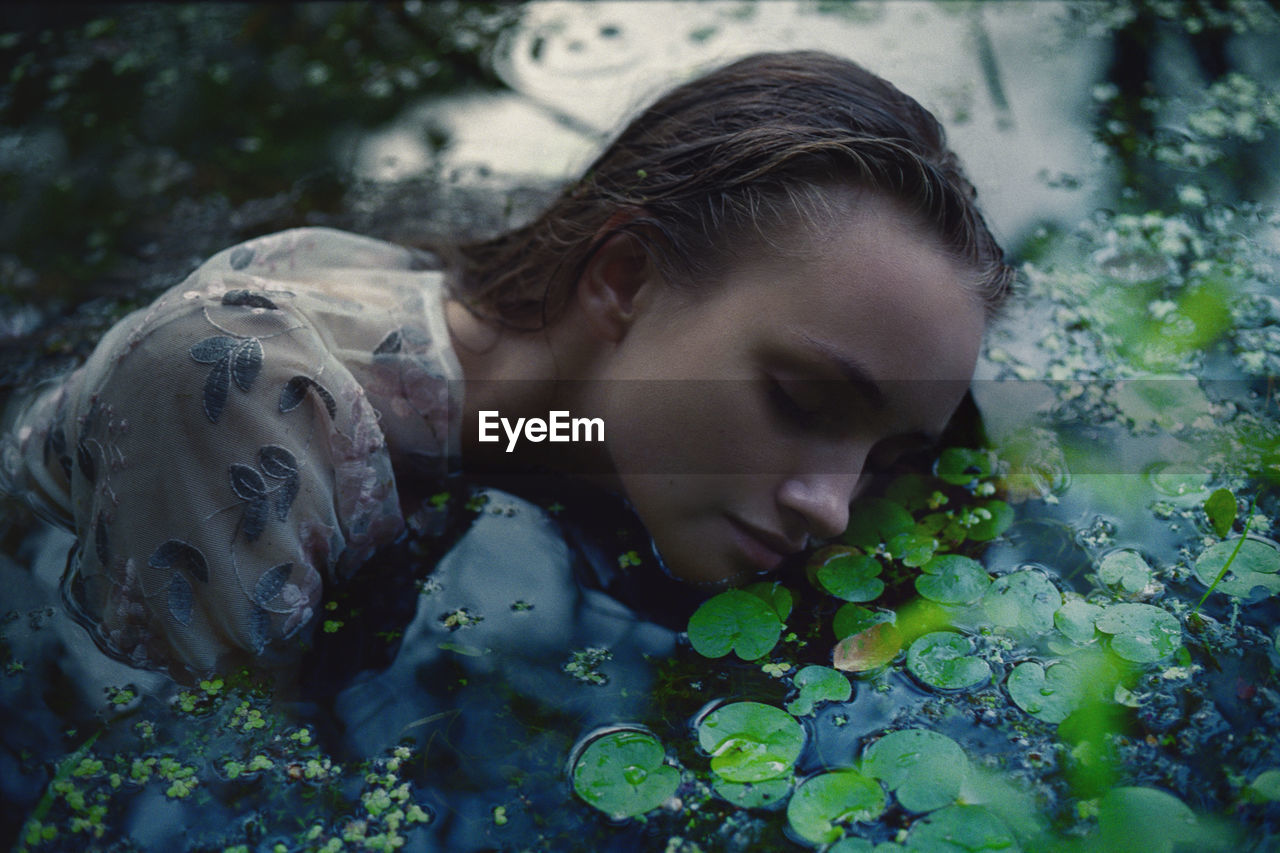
(854, 372)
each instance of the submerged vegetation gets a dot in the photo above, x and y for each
(1066, 640)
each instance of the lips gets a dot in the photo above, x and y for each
(763, 548)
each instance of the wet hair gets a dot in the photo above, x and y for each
(752, 146)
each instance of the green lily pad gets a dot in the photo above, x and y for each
(913, 548)
(1221, 509)
(874, 521)
(735, 621)
(775, 595)
(754, 795)
(823, 802)
(850, 575)
(1023, 600)
(952, 579)
(1076, 620)
(945, 659)
(1126, 569)
(852, 844)
(818, 684)
(993, 518)
(750, 741)
(1256, 564)
(1142, 633)
(1050, 694)
(852, 618)
(962, 829)
(960, 465)
(1148, 819)
(1265, 787)
(924, 769)
(623, 775)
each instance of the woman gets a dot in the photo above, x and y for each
(775, 277)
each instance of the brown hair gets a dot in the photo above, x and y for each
(743, 148)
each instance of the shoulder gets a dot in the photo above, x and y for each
(299, 250)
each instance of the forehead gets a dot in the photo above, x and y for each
(869, 284)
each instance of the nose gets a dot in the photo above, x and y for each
(822, 501)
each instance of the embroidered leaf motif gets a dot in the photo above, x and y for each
(247, 299)
(216, 386)
(259, 625)
(180, 598)
(246, 362)
(101, 541)
(176, 554)
(212, 350)
(271, 582)
(295, 390)
(277, 462)
(241, 257)
(285, 497)
(247, 483)
(390, 344)
(84, 458)
(255, 517)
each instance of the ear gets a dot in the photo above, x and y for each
(612, 283)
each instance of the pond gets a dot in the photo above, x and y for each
(1064, 637)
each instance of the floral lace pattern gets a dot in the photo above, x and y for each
(227, 450)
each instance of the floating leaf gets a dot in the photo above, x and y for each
(1142, 633)
(1125, 568)
(176, 554)
(994, 517)
(924, 769)
(773, 594)
(874, 521)
(823, 802)
(1255, 565)
(180, 598)
(246, 363)
(960, 466)
(912, 548)
(1049, 694)
(734, 621)
(753, 795)
(849, 574)
(1147, 819)
(246, 482)
(1076, 620)
(868, 649)
(750, 741)
(818, 684)
(1025, 600)
(1265, 787)
(212, 350)
(271, 582)
(852, 618)
(961, 828)
(1221, 509)
(622, 774)
(945, 659)
(952, 579)
(247, 299)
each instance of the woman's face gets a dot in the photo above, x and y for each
(741, 419)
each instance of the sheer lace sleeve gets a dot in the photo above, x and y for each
(229, 449)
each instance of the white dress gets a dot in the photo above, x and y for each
(229, 449)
